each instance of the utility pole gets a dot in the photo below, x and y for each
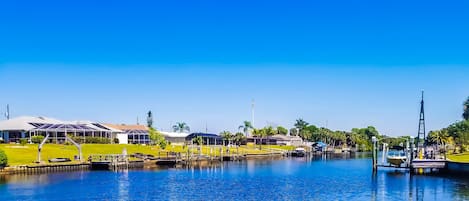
(7, 113)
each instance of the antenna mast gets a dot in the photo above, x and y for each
(421, 131)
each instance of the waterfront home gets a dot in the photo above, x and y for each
(287, 140)
(12, 130)
(207, 138)
(132, 134)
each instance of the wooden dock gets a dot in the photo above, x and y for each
(424, 164)
(114, 162)
(428, 164)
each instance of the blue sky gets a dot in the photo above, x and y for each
(341, 63)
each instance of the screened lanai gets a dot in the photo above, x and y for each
(57, 132)
(137, 136)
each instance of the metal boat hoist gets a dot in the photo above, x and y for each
(80, 156)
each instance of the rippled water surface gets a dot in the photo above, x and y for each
(286, 179)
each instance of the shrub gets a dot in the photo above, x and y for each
(116, 140)
(163, 144)
(91, 140)
(3, 159)
(23, 141)
(37, 139)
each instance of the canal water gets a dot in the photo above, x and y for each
(319, 178)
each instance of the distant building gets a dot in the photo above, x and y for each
(277, 140)
(287, 140)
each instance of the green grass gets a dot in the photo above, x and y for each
(463, 157)
(27, 154)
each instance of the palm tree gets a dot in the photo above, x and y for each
(258, 133)
(227, 136)
(301, 124)
(180, 127)
(239, 137)
(246, 126)
(440, 137)
(269, 131)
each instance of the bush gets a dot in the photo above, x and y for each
(37, 139)
(23, 141)
(91, 140)
(3, 159)
(116, 140)
(163, 144)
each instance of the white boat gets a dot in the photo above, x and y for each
(396, 156)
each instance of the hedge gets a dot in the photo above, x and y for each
(3, 159)
(91, 140)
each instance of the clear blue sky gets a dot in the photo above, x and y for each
(344, 63)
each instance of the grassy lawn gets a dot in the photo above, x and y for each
(464, 157)
(27, 154)
(21, 155)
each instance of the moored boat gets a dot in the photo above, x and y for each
(396, 156)
(299, 152)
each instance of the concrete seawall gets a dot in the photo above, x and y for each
(457, 167)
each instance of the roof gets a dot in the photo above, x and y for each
(209, 135)
(25, 123)
(98, 126)
(124, 127)
(174, 134)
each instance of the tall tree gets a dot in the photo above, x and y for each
(149, 119)
(258, 133)
(181, 127)
(247, 125)
(465, 114)
(301, 124)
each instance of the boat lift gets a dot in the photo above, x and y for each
(80, 156)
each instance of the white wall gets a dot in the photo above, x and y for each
(123, 139)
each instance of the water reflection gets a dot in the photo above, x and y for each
(123, 185)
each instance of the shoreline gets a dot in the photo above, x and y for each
(134, 164)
